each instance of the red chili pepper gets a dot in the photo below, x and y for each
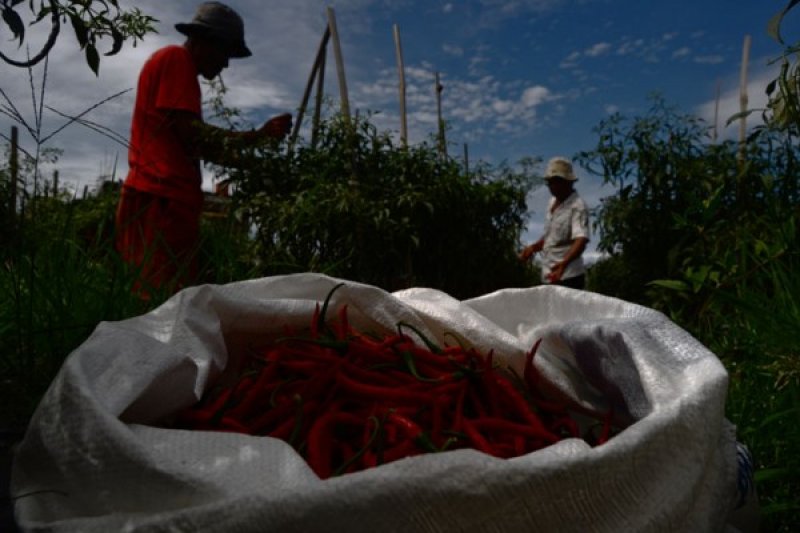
(352, 457)
(367, 375)
(412, 430)
(517, 402)
(501, 425)
(535, 383)
(459, 408)
(265, 422)
(342, 330)
(315, 322)
(475, 402)
(530, 372)
(229, 424)
(293, 428)
(407, 448)
(320, 440)
(376, 392)
(385, 398)
(479, 442)
(605, 434)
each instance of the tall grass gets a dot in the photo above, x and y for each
(763, 357)
(60, 286)
(62, 277)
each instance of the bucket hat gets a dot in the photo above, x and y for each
(217, 21)
(559, 167)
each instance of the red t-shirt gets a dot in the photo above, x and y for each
(158, 162)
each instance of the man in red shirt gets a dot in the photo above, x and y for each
(158, 216)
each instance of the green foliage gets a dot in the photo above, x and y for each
(60, 278)
(656, 166)
(783, 108)
(91, 21)
(357, 207)
(711, 239)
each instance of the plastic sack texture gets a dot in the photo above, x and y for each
(92, 460)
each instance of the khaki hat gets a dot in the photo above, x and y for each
(559, 167)
(218, 21)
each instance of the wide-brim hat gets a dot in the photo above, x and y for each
(214, 20)
(560, 167)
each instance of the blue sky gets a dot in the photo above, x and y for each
(520, 77)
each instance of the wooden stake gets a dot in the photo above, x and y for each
(318, 103)
(323, 46)
(442, 143)
(743, 98)
(14, 172)
(401, 74)
(337, 51)
(715, 132)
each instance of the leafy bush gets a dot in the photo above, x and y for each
(711, 239)
(357, 207)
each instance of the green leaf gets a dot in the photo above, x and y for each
(768, 474)
(14, 22)
(671, 284)
(93, 58)
(774, 25)
(118, 40)
(771, 87)
(81, 31)
(741, 114)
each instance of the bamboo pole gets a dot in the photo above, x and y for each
(743, 98)
(337, 51)
(318, 103)
(14, 172)
(323, 46)
(442, 143)
(401, 74)
(715, 132)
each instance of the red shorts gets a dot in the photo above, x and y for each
(159, 236)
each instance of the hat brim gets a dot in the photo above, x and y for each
(234, 49)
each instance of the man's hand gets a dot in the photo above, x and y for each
(529, 250)
(556, 272)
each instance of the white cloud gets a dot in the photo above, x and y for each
(534, 96)
(709, 59)
(681, 52)
(502, 106)
(598, 49)
(452, 50)
(628, 47)
(447, 8)
(570, 61)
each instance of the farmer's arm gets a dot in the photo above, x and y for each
(531, 249)
(219, 145)
(574, 252)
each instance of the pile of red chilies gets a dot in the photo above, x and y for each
(347, 401)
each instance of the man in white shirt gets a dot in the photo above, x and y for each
(566, 229)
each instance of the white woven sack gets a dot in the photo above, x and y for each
(94, 463)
